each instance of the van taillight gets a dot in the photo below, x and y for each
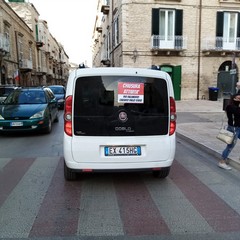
(68, 116)
(173, 116)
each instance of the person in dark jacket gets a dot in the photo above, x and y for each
(233, 115)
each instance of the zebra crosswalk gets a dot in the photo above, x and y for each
(36, 202)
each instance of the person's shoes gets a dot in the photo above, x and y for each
(227, 161)
(224, 166)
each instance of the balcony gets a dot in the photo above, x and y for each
(172, 44)
(229, 1)
(25, 64)
(106, 62)
(41, 70)
(4, 45)
(50, 72)
(220, 44)
(105, 58)
(105, 7)
(99, 29)
(39, 44)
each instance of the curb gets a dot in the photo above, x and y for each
(210, 151)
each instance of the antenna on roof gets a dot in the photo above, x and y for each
(81, 65)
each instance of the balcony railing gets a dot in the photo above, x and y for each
(221, 44)
(4, 43)
(25, 64)
(177, 43)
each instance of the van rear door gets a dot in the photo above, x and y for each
(121, 106)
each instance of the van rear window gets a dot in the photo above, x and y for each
(120, 106)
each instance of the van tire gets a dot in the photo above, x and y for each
(163, 173)
(69, 174)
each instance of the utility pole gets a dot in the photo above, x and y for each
(199, 48)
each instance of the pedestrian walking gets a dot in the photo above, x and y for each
(233, 115)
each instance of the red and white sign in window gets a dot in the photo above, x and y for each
(130, 92)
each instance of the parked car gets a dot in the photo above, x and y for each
(119, 119)
(5, 90)
(59, 92)
(29, 109)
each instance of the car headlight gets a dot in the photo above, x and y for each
(1, 117)
(38, 115)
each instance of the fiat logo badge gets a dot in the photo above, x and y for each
(123, 116)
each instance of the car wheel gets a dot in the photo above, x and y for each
(56, 118)
(49, 127)
(163, 173)
(69, 174)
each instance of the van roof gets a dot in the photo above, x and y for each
(122, 71)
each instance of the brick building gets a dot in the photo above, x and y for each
(201, 37)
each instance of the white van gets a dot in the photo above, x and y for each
(119, 119)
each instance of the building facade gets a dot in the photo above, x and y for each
(29, 54)
(199, 39)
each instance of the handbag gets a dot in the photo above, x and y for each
(225, 135)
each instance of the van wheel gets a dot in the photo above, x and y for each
(163, 173)
(69, 174)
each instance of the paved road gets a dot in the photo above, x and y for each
(195, 201)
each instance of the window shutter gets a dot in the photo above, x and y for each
(36, 29)
(219, 25)
(178, 28)
(179, 23)
(238, 32)
(238, 26)
(219, 30)
(155, 21)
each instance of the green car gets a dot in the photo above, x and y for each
(29, 109)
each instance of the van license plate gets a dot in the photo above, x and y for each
(123, 151)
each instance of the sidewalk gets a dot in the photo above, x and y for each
(199, 121)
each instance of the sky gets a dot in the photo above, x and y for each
(71, 22)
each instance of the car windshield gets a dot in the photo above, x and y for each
(26, 97)
(57, 90)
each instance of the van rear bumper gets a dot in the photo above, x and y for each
(141, 166)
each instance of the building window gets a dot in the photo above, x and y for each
(30, 53)
(227, 30)
(167, 28)
(20, 50)
(115, 32)
(108, 45)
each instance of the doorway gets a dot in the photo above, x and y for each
(227, 79)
